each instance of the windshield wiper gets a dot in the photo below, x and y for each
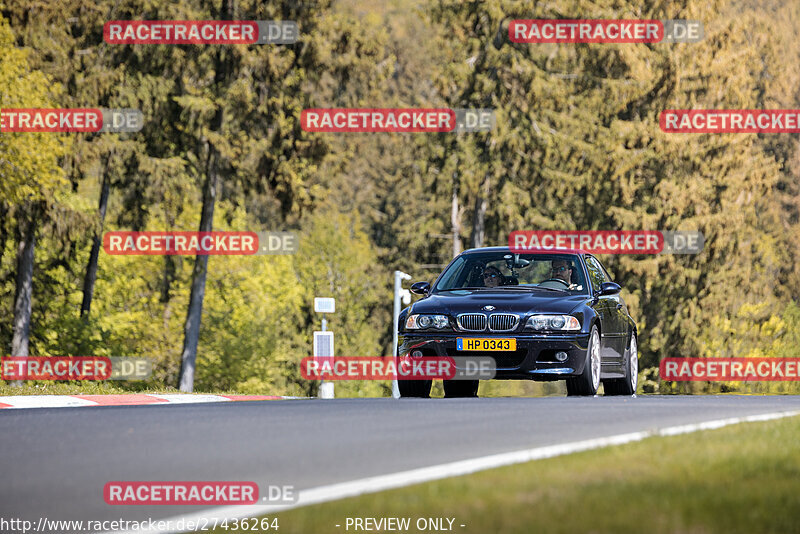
(461, 289)
(532, 287)
(516, 288)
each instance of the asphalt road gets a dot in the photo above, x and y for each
(55, 462)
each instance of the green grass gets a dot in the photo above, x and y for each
(739, 479)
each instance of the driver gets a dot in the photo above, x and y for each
(492, 277)
(562, 270)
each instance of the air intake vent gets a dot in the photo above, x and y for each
(473, 322)
(503, 322)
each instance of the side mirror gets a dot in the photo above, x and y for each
(420, 288)
(609, 288)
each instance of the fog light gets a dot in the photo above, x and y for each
(561, 356)
(417, 354)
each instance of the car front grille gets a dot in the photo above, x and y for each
(503, 322)
(472, 322)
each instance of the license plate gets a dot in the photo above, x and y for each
(485, 344)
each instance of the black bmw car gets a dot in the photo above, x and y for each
(553, 315)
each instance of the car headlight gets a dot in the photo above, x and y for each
(419, 322)
(552, 322)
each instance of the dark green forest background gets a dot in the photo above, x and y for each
(576, 146)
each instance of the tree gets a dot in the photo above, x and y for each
(30, 177)
(245, 118)
(66, 42)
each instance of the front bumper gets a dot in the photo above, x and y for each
(534, 358)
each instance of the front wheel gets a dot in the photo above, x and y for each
(588, 381)
(627, 385)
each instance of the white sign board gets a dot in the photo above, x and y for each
(324, 305)
(323, 344)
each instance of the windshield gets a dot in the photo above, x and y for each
(507, 271)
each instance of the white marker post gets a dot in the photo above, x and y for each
(323, 342)
(399, 276)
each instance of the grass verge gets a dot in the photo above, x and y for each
(739, 479)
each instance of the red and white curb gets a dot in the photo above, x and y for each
(72, 401)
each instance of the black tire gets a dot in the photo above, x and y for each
(415, 388)
(626, 386)
(586, 384)
(460, 388)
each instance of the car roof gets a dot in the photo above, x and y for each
(524, 251)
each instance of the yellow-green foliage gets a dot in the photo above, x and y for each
(576, 146)
(28, 161)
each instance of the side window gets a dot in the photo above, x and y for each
(596, 275)
(606, 274)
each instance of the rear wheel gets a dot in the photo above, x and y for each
(627, 385)
(587, 382)
(415, 388)
(460, 388)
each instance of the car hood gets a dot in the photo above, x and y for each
(524, 302)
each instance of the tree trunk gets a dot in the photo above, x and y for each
(195, 312)
(455, 219)
(26, 235)
(479, 217)
(3, 228)
(91, 269)
(171, 267)
(169, 275)
(210, 190)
